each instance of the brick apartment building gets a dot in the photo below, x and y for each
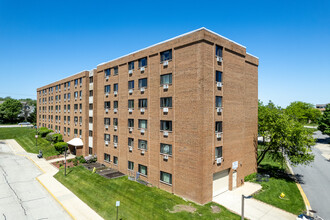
(182, 113)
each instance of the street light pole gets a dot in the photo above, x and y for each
(244, 197)
(65, 161)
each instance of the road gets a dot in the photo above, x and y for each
(15, 126)
(316, 179)
(21, 195)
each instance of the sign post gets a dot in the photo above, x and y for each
(117, 205)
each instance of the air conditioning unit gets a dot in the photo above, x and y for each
(165, 63)
(115, 127)
(219, 109)
(142, 89)
(115, 110)
(106, 126)
(80, 98)
(165, 133)
(165, 86)
(107, 143)
(107, 77)
(69, 111)
(75, 111)
(130, 148)
(142, 152)
(75, 98)
(219, 134)
(165, 157)
(130, 91)
(115, 145)
(115, 92)
(130, 110)
(106, 110)
(130, 72)
(80, 110)
(107, 94)
(130, 129)
(165, 110)
(75, 123)
(219, 160)
(80, 136)
(219, 84)
(80, 123)
(80, 84)
(142, 69)
(142, 110)
(219, 59)
(142, 130)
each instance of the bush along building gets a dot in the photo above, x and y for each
(181, 113)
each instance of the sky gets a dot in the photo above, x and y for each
(45, 41)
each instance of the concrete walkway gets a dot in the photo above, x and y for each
(254, 209)
(76, 208)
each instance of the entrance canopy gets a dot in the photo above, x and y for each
(77, 142)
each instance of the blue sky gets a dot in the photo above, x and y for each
(44, 41)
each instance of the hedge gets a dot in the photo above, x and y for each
(54, 138)
(60, 147)
(44, 131)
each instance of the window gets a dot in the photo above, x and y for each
(107, 158)
(166, 102)
(218, 51)
(218, 126)
(80, 106)
(166, 149)
(90, 119)
(142, 145)
(143, 103)
(115, 160)
(131, 65)
(106, 121)
(64, 96)
(75, 82)
(90, 150)
(75, 119)
(218, 152)
(75, 95)
(143, 123)
(80, 94)
(69, 96)
(166, 55)
(91, 93)
(69, 119)
(218, 76)
(115, 87)
(218, 101)
(69, 84)
(166, 79)
(166, 125)
(80, 120)
(115, 70)
(166, 177)
(131, 142)
(115, 139)
(143, 170)
(131, 84)
(131, 123)
(91, 79)
(90, 133)
(80, 81)
(90, 106)
(107, 89)
(115, 122)
(107, 137)
(107, 72)
(75, 131)
(75, 106)
(130, 165)
(143, 62)
(68, 131)
(143, 83)
(115, 104)
(131, 103)
(107, 105)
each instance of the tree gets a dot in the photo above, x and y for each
(283, 135)
(303, 112)
(9, 110)
(324, 122)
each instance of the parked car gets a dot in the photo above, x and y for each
(24, 123)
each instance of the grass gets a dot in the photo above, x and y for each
(279, 182)
(137, 201)
(26, 138)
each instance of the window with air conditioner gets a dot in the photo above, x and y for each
(166, 102)
(107, 72)
(143, 124)
(143, 103)
(166, 125)
(166, 79)
(218, 51)
(143, 83)
(218, 101)
(218, 126)
(218, 76)
(218, 152)
(107, 137)
(115, 87)
(166, 55)
(131, 123)
(115, 122)
(143, 62)
(115, 104)
(166, 149)
(131, 65)
(131, 103)
(107, 121)
(107, 89)
(131, 142)
(107, 105)
(131, 84)
(142, 144)
(115, 139)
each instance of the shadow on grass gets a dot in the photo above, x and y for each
(280, 173)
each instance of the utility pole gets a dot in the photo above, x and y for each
(65, 161)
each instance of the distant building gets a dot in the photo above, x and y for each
(321, 107)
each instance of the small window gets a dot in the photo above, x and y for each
(166, 55)
(115, 87)
(107, 137)
(131, 84)
(115, 139)
(90, 106)
(115, 122)
(76, 82)
(218, 51)
(166, 177)
(90, 119)
(115, 104)
(90, 80)
(131, 123)
(115, 70)
(131, 65)
(143, 170)
(130, 165)
(166, 125)
(218, 126)
(166, 102)
(218, 152)
(90, 93)
(131, 142)
(75, 106)
(107, 158)
(115, 160)
(106, 121)
(107, 89)
(131, 103)
(90, 150)
(166, 79)
(107, 105)
(143, 103)
(218, 101)
(142, 144)
(218, 76)
(166, 149)
(107, 72)
(143, 62)
(143, 123)
(143, 83)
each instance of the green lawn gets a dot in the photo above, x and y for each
(279, 182)
(136, 200)
(26, 138)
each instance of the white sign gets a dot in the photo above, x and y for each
(118, 203)
(235, 165)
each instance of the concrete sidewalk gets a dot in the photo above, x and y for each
(254, 209)
(76, 208)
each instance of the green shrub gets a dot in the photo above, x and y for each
(75, 163)
(81, 159)
(57, 138)
(44, 131)
(60, 147)
(250, 177)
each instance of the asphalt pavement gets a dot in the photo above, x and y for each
(316, 179)
(21, 195)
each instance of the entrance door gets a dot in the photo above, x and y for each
(234, 179)
(220, 182)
